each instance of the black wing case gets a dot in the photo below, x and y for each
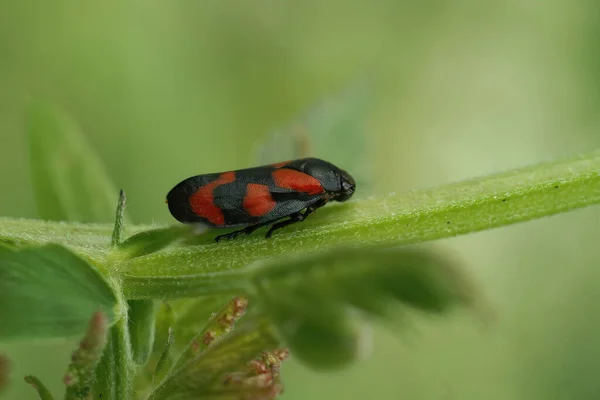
(178, 198)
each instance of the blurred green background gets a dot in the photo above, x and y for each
(461, 88)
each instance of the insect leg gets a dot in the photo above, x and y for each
(232, 235)
(293, 219)
(311, 209)
(298, 217)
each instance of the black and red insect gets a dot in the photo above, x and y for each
(254, 197)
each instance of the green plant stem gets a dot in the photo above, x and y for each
(420, 216)
(43, 392)
(119, 335)
(465, 207)
(90, 240)
(167, 287)
(106, 372)
(116, 368)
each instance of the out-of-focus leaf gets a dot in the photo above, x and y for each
(9, 244)
(69, 180)
(333, 130)
(165, 361)
(165, 320)
(49, 292)
(308, 298)
(317, 329)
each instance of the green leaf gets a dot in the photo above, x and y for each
(319, 132)
(162, 354)
(49, 292)
(466, 207)
(92, 241)
(151, 241)
(309, 298)
(317, 331)
(69, 180)
(164, 322)
(165, 361)
(163, 333)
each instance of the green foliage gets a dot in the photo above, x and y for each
(308, 298)
(308, 287)
(165, 361)
(202, 377)
(49, 292)
(189, 316)
(151, 241)
(219, 325)
(393, 220)
(68, 177)
(320, 131)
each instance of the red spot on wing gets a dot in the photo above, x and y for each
(202, 201)
(298, 181)
(280, 164)
(258, 200)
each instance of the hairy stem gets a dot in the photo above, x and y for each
(420, 216)
(116, 368)
(465, 207)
